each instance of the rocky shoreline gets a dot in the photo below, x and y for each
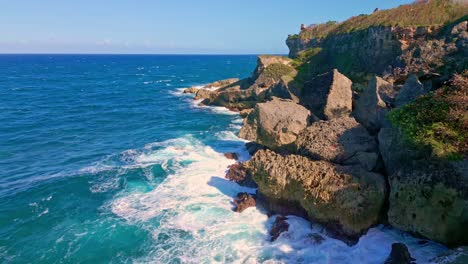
(331, 147)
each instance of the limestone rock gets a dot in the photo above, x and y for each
(347, 199)
(341, 140)
(427, 196)
(275, 123)
(373, 105)
(412, 89)
(328, 95)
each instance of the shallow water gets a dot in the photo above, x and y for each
(103, 159)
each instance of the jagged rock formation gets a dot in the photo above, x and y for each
(275, 123)
(374, 103)
(342, 141)
(348, 199)
(412, 89)
(211, 86)
(238, 173)
(328, 95)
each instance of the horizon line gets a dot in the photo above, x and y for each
(158, 54)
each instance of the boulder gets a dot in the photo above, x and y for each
(279, 226)
(427, 196)
(346, 199)
(238, 173)
(341, 140)
(412, 89)
(328, 95)
(243, 201)
(399, 255)
(275, 123)
(373, 105)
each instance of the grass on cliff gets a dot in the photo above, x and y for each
(277, 70)
(435, 12)
(438, 121)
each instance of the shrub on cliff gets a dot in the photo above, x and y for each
(438, 121)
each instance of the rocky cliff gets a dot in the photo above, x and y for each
(366, 123)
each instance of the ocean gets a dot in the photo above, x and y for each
(103, 159)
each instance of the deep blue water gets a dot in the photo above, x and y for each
(103, 159)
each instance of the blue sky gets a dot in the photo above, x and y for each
(166, 27)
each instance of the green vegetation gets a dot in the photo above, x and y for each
(304, 55)
(438, 121)
(277, 70)
(436, 12)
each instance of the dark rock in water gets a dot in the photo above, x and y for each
(328, 95)
(253, 147)
(231, 155)
(243, 201)
(275, 123)
(348, 199)
(238, 173)
(316, 238)
(341, 140)
(279, 226)
(399, 255)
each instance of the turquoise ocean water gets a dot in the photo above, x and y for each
(104, 160)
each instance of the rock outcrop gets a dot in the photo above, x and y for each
(238, 173)
(347, 199)
(328, 95)
(275, 123)
(374, 103)
(341, 140)
(243, 201)
(268, 80)
(427, 196)
(399, 255)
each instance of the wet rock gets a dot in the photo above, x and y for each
(348, 199)
(191, 90)
(238, 173)
(275, 123)
(399, 255)
(243, 201)
(231, 155)
(328, 96)
(341, 140)
(279, 226)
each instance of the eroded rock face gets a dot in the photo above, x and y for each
(275, 123)
(412, 89)
(373, 105)
(427, 196)
(341, 140)
(347, 198)
(328, 96)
